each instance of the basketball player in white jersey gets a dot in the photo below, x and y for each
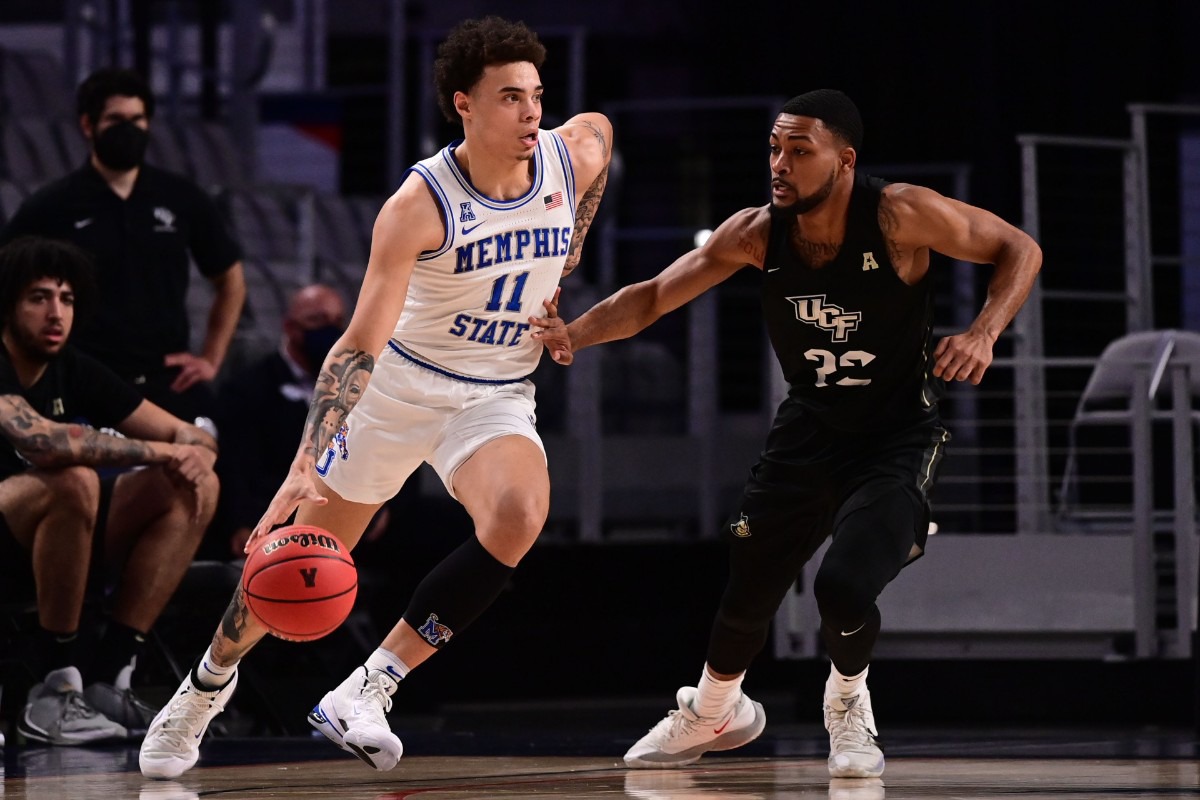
(432, 368)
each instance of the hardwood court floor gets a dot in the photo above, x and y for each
(786, 763)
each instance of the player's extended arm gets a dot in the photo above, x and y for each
(589, 139)
(738, 242)
(408, 224)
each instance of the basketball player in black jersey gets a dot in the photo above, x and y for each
(855, 445)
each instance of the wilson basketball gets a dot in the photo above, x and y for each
(300, 582)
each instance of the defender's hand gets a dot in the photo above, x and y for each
(551, 331)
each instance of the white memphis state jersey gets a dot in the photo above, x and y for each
(469, 302)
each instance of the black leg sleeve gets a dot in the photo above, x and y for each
(455, 592)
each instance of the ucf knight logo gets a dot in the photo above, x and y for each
(813, 310)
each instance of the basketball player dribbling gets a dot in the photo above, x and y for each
(432, 368)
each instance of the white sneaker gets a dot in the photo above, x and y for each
(57, 713)
(352, 716)
(853, 749)
(681, 737)
(172, 743)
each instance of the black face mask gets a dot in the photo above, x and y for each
(315, 345)
(121, 146)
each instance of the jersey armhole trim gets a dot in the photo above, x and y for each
(564, 156)
(447, 217)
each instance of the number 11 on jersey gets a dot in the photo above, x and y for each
(514, 301)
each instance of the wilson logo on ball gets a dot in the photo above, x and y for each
(304, 538)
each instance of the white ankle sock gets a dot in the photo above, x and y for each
(846, 685)
(387, 661)
(124, 678)
(213, 676)
(715, 697)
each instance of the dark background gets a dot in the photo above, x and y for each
(936, 82)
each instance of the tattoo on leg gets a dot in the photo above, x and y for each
(233, 624)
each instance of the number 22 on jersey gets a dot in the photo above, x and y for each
(828, 364)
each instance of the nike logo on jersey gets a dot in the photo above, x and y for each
(465, 230)
(80, 224)
(856, 630)
(773, 269)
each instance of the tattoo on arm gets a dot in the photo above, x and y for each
(339, 388)
(100, 450)
(233, 624)
(583, 218)
(190, 434)
(888, 225)
(46, 443)
(599, 134)
(753, 248)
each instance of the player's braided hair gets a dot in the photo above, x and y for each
(832, 107)
(474, 45)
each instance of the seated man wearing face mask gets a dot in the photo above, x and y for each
(262, 405)
(141, 224)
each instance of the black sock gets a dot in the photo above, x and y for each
(57, 650)
(119, 648)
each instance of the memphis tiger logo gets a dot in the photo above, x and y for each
(435, 632)
(337, 447)
(741, 528)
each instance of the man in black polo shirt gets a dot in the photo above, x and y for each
(143, 526)
(139, 224)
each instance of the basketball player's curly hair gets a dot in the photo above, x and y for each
(474, 45)
(29, 258)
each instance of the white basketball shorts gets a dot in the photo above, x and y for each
(411, 413)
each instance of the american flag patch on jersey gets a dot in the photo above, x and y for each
(552, 200)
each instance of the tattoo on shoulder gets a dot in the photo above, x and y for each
(752, 247)
(600, 137)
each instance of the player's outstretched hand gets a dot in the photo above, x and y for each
(964, 357)
(551, 331)
(298, 488)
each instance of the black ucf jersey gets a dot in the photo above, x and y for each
(852, 338)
